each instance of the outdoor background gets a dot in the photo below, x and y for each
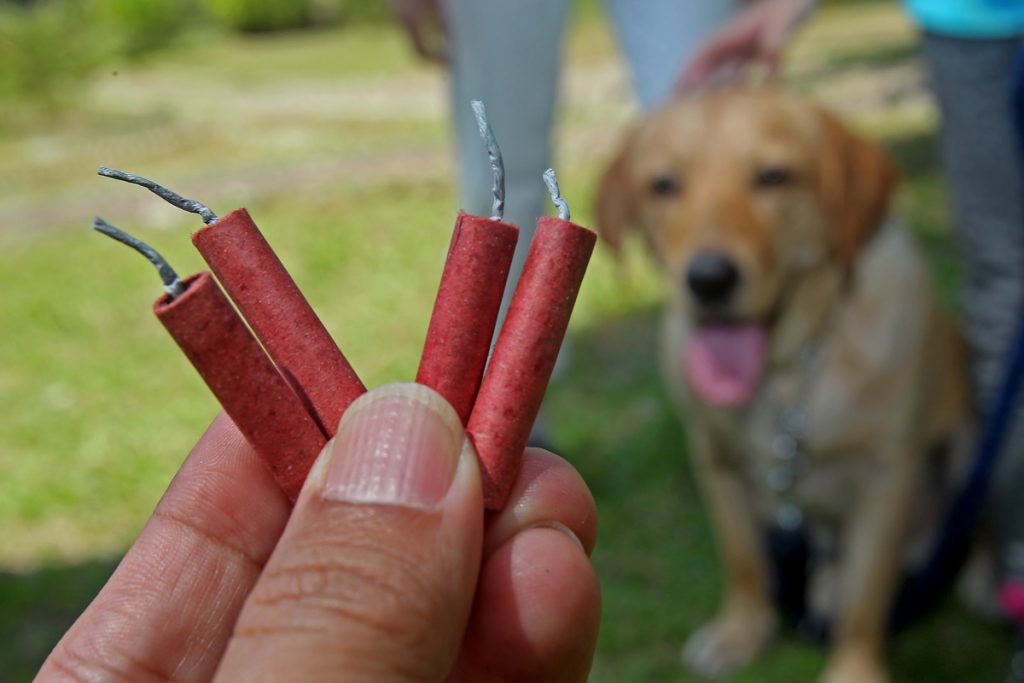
(335, 138)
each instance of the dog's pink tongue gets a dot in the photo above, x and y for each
(724, 362)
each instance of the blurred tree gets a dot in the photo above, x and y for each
(351, 11)
(44, 50)
(255, 16)
(49, 47)
(141, 26)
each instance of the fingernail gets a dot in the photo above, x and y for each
(558, 526)
(396, 445)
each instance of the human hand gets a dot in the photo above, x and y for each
(385, 570)
(425, 27)
(758, 34)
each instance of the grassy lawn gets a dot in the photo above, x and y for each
(337, 144)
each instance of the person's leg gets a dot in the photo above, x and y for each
(506, 53)
(659, 36)
(986, 181)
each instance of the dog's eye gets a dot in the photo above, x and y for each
(773, 176)
(666, 185)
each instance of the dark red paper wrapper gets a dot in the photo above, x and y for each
(247, 385)
(282, 319)
(466, 309)
(524, 356)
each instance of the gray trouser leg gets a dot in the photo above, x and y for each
(506, 53)
(986, 181)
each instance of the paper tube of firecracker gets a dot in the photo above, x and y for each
(268, 298)
(469, 297)
(466, 309)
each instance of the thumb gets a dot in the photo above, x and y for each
(374, 576)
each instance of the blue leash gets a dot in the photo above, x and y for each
(923, 589)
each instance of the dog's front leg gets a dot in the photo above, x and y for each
(871, 566)
(746, 620)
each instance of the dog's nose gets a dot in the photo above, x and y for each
(711, 277)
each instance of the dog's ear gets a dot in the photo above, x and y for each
(616, 200)
(857, 182)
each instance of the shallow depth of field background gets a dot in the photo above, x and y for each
(336, 139)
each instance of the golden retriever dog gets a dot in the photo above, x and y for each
(804, 343)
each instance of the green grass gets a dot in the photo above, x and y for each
(337, 143)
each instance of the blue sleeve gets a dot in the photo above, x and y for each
(969, 18)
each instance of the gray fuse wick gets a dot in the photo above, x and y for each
(494, 155)
(172, 283)
(551, 180)
(173, 198)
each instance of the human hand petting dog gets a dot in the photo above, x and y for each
(385, 570)
(755, 36)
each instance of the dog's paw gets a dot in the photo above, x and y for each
(855, 670)
(726, 644)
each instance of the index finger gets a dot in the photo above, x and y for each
(168, 610)
(719, 51)
(428, 50)
(419, 21)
